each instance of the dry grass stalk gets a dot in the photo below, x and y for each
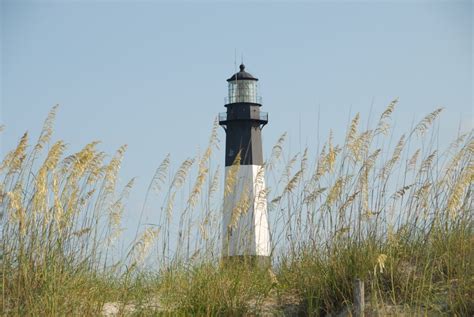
(47, 130)
(143, 245)
(232, 176)
(383, 127)
(160, 175)
(426, 122)
(352, 132)
(276, 151)
(57, 220)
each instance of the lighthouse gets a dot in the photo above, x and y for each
(246, 234)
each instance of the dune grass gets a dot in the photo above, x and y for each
(397, 216)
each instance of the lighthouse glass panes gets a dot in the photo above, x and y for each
(243, 91)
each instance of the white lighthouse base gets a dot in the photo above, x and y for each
(245, 223)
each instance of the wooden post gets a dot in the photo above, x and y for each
(359, 298)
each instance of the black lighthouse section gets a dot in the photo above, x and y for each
(243, 123)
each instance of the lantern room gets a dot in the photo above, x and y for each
(243, 88)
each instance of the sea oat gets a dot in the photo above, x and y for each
(293, 182)
(113, 168)
(380, 263)
(160, 174)
(412, 161)
(314, 195)
(461, 186)
(215, 182)
(426, 122)
(394, 159)
(383, 127)
(352, 132)
(14, 160)
(276, 151)
(143, 245)
(426, 164)
(47, 130)
(231, 177)
(181, 174)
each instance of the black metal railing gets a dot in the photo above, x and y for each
(263, 116)
(222, 116)
(260, 116)
(242, 98)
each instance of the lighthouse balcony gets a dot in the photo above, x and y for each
(261, 117)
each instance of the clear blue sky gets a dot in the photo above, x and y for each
(152, 74)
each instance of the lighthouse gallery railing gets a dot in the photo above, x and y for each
(261, 116)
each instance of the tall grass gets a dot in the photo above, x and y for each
(398, 216)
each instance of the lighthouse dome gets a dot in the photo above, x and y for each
(242, 75)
